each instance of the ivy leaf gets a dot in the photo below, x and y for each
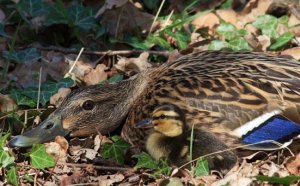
(5, 158)
(12, 176)
(48, 89)
(115, 78)
(22, 56)
(288, 180)
(2, 32)
(162, 169)
(81, 17)
(58, 14)
(282, 40)
(116, 150)
(268, 25)
(238, 44)
(145, 161)
(3, 138)
(33, 8)
(202, 167)
(40, 158)
(217, 45)
(228, 31)
(159, 42)
(21, 99)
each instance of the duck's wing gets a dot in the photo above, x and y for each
(220, 92)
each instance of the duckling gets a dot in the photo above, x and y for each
(170, 138)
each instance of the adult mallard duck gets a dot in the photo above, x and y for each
(218, 92)
(172, 138)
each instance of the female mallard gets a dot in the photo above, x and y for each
(218, 92)
(170, 138)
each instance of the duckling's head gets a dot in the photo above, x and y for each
(168, 120)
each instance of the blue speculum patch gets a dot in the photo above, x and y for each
(277, 128)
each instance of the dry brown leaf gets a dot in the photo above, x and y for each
(126, 19)
(95, 76)
(58, 149)
(7, 104)
(109, 4)
(81, 68)
(293, 165)
(228, 15)
(100, 140)
(108, 180)
(209, 20)
(132, 66)
(294, 52)
(57, 98)
(79, 153)
(264, 41)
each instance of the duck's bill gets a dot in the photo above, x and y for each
(145, 123)
(45, 132)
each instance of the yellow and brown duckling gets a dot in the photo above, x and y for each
(170, 138)
(217, 91)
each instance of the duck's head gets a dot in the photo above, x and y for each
(167, 119)
(84, 112)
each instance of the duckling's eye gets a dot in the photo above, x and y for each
(162, 116)
(88, 105)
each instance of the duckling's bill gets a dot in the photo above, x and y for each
(145, 123)
(46, 131)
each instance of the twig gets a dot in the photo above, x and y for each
(39, 90)
(108, 53)
(156, 16)
(98, 167)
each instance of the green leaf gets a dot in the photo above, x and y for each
(228, 31)
(48, 89)
(227, 4)
(145, 161)
(162, 169)
(217, 45)
(288, 180)
(3, 138)
(32, 8)
(268, 25)
(133, 41)
(159, 41)
(29, 178)
(116, 150)
(239, 44)
(2, 32)
(12, 176)
(282, 40)
(182, 39)
(81, 17)
(58, 14)
(21, 99)
(40, 158)
(284, 20)
(115, 78)
(5, 158)
(151, 4)
(202, 167)
(22, 56)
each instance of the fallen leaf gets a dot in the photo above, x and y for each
(110, 4)
(209, 20)
(57, 98)
(294, 52)
(132, 66)
(7, 104)
(264, 41)
(229, 16)
(58, 149)
(81, 68)
(108, 180)
(293, 165)
(100, 140)
(95, 76)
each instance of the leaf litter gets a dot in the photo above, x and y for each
(99, 160)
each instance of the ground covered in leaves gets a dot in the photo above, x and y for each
(52, 47)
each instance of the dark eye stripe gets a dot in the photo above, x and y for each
(166, 117)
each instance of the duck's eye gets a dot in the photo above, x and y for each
(162, 116)
(88, 105)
